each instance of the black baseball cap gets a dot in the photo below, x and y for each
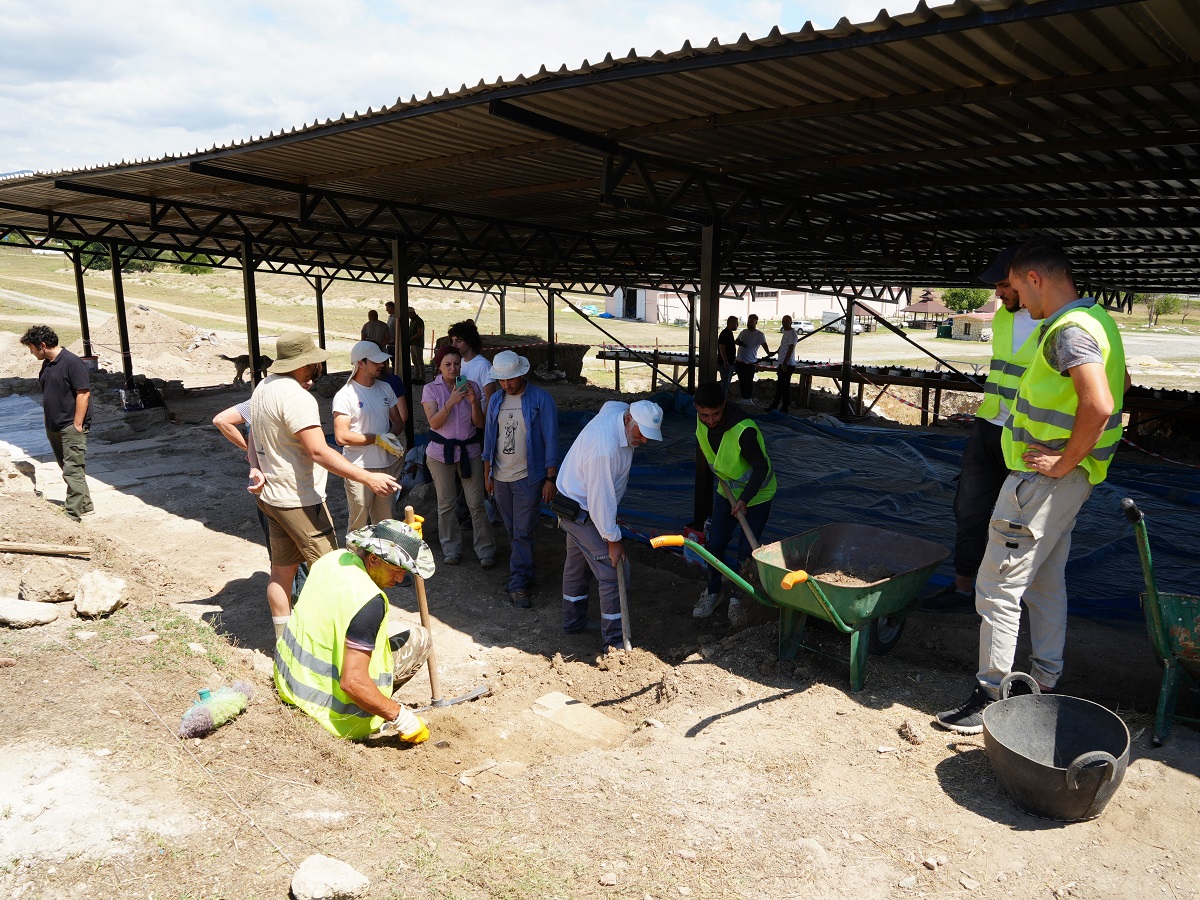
(998, 271)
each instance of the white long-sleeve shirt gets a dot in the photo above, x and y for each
(595, 471)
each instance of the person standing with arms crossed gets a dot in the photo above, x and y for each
(746, 362)
(67, 410)
(1064, 430)
(984, 469)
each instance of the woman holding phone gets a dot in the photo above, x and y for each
(452, 405)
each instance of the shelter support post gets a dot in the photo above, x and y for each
(81, 297)
(251, 295)
(691, 344)
(847, 359)
(319, 291)
(502, 301)
(403, 359)
(710, 301)
(551, 296)
(114, 255)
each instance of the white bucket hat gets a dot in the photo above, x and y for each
(508, 364)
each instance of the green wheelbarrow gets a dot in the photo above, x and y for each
(872, 614)
(1173, 621)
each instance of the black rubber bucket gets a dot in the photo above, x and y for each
(1059, 758)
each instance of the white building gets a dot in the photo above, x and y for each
(769, 304)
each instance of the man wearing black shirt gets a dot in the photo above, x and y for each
(734, 447)
(66, 392)
(726, 352)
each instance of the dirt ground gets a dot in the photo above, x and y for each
(720, 772)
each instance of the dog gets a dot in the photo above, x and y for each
(243, 363)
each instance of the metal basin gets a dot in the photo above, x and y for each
(1057, 757)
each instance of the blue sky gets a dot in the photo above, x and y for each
(94, 83)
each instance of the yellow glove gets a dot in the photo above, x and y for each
(410, 729)
(391, 444)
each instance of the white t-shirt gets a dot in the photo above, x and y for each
(748, 344)
(511, 459)
(478, 370)
(787, 348)
(281, 408)
(368, 409)
(1023, 326)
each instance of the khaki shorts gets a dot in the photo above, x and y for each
(304, 534)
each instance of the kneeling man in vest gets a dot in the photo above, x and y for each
(1064, 430)
(335, 660)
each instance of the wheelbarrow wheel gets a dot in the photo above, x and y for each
(885, 633)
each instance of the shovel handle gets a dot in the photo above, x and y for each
(793, 578)
(435, 688)
(741, 517)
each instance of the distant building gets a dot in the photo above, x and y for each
(769, 304)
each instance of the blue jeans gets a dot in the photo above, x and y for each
(720, 533)
(726, 373)
(519, 503)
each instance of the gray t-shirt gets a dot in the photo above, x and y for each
(1071, 346)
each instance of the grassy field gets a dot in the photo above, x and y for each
(41, 288)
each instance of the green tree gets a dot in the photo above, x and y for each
(95, 257)
(965, 299)
(1160, 305)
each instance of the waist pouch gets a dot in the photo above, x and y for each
(566, 508)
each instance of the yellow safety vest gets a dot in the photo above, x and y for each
(308, 658)
(728, 463)
(1006, 367)
(1044, 411)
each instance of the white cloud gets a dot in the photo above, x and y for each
(88, 84)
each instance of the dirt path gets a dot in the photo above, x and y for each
(717, 771)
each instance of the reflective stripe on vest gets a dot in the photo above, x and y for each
(1044, 411)
(728, 464)
(308, 657)
(1007, 367)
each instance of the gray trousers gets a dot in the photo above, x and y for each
(587, 557)
(1025, 562)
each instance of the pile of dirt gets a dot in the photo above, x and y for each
(163, 347)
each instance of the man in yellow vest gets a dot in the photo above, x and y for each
(734, 447)
(983, 467)
(335, 660)
(1063, 433)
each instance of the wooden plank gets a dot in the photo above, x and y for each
(44, 549)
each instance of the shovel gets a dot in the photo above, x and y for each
(741, 517)
(626, 628)
(435, 688)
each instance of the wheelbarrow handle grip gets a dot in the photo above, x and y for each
(1132, 513)
(666, 540)
(794, 578)
(1086, 759)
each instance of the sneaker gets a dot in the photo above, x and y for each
(706, 604)
(519, 599)
(452, 559)
(948, 598)
(1022, 689)
(488, 562)
(968, 718)
(739, 615)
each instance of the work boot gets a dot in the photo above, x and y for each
(949, 598)
(968, 718)
(519, 599)
(707, 603)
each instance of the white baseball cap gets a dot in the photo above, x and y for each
(649, 418)
(367, 350)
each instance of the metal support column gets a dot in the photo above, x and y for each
(503, 299)
(252, 346)
(403, 356)
(114, 255)
(319, 291)
(847, 359)
(691, 343)
(706, 346)
(550, 359)
(77, 263)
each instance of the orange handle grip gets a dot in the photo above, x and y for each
(666, 540)
(794, 578)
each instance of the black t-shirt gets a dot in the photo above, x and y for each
(726, 340)
(364, 627)
(61, 380)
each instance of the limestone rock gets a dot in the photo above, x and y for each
(324, 878)
(51, 582)
(25, 614)
(99, 594)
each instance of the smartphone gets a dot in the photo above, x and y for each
(460, 383)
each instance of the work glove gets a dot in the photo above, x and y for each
(410, 729)
(391, 444)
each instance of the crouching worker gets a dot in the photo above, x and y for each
(335, 660)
